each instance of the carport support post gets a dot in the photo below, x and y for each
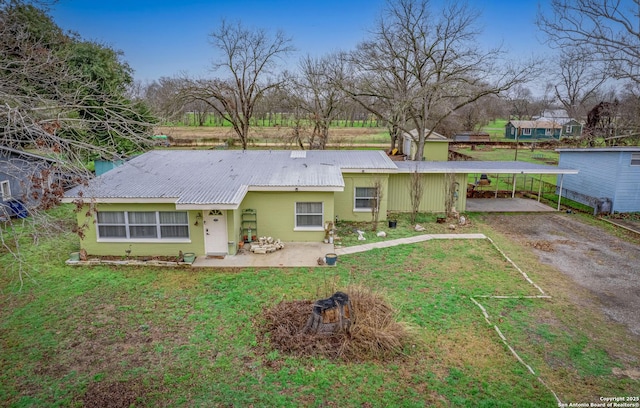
(560, 193)
(539, 187)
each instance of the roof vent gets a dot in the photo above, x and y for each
(298, 154)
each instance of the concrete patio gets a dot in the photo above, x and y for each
(294, 254)
(506, 205)
(306, 254)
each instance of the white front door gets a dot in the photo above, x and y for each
(215, 233)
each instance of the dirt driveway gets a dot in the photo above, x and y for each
(600, 262)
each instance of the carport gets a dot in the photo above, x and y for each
(498, 171)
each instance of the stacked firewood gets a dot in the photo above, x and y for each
(266, 245)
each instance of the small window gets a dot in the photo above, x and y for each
(526, 131)
(6, 189)
(309, 215)
(365, 198)
(547, 132)
(635, 159)
(568, 129)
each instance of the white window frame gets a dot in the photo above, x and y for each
(356, 198)
(548, 132)
(5, 186)
(568, 129)
(319, 227)
(526, 131)
(157, 225)
(635, 159)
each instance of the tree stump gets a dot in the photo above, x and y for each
(331, 315)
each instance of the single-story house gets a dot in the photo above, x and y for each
(570, 126)
(24, 178)
(207, 201)
(436, 146)
(532, 129)
(608, 178)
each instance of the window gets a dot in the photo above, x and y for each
(568, 129)
(143, 225)
(635, 159)
(6, 189)
(526, 131)
(547, 132)
(309, 215)
(365, 198)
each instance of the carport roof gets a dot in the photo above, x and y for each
(493, 167)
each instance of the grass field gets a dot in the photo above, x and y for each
(77, 336)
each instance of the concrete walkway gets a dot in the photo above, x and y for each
(400, 241)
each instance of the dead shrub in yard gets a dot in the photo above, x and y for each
(374, 335)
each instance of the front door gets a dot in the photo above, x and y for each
(215, 233)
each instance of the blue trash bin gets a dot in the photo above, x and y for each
(19, 210)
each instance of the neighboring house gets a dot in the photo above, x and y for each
(572, 128)
(608, 178)
(436, 146)
(23, 176)
(532, 129)
(207, 201)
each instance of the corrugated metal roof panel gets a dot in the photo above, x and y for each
(496, 167)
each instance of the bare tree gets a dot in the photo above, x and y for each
(318, 95)
(423, 64)
(375, 203)
(416, 189)
(163, 97)
(249, 58)
(607, 31)
(66, 99)
(577, 81)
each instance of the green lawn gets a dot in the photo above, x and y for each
(177, 337)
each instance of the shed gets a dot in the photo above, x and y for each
(611, 173)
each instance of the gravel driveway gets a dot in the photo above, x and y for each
(604, 264)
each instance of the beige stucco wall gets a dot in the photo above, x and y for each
(276, 214)
(345, 200)
(432, 196)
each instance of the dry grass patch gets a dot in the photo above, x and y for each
(374, 335)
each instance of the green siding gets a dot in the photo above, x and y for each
(345, 201)
(276, 214)
(434, 150)
(433, 193)
(89, 242)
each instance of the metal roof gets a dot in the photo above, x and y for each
(535, 124)
(601, 149)
(192, 178)
(223, 177)
(494, 167)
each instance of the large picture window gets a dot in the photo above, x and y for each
(309, 215)
(365, 198)
(143, 225)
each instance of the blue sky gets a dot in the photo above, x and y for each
(165, 38)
